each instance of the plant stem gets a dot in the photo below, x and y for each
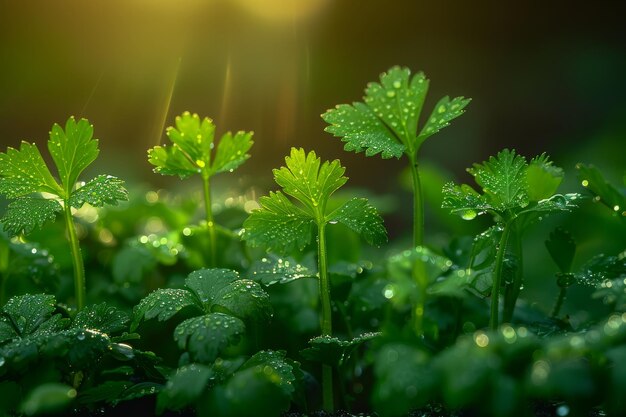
(418, 205)
(4, 270)
(559, 303)
(209, 218)
(514, 288)
(419, 275)
(327, 327)
(497, 276)
(77, 259)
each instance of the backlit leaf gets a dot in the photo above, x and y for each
(24, 172)
(278, 225)
(360, 216)
(24, 214)
(232, 151)
(445, 111)
(542, 177)
(73, 149)
(104, 189)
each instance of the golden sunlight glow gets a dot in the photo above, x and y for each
(282, 10)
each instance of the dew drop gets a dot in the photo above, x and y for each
(468, 215)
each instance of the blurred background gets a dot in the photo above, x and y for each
(544, 76)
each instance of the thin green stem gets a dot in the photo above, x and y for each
(327, 326)
(418, 205)
(497, 276)
(421, 281)
(559, 303)
(514, 288)
(77, 259)
(209, 218)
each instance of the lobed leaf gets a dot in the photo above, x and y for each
(194, 137)
(102, 317)
(307, 181)
(207, 283)
(73, 149)
(502, 179)
(542, 178)
(333, 351)
(24, 214)
(360, 130)
(273, 270)
(232, 151)
(358, 215)
(26, 313)
(170, 160)
(278, 225)
(163, 304)
(206, 337)
(24, 172)
(464, 200)
(104, 189)
(445, 111)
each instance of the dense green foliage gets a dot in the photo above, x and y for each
(296, 302)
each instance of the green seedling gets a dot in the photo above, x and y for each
(516, 193)
(387, 124)
(282, 226)
(38, 197)
(191, 153)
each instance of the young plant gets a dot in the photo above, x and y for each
(192, 153)
(516, 193)
(282, 226)
(387, 123)
(38, 197)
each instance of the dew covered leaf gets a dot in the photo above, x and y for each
(445, 111)
(358, 215)
(542, 178)
(562, 247)
(556, 203)
(102, 317)
(73, 149)
(464, 201)
(361, 130)
(207, 283)
(333, 351)
(245, 299)
(278, 225)
(24, 214)
(604, 192)
(190, 153)
(206, 337)
(283, 372)
(184, 387)
(25, 172)
(502, 179)
(232, 151)
(398, 101)
(163, 304)
(26, 313)
(275, 270)
(308, 180)
(104, 189)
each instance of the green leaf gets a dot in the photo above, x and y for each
(184, 387)
(24, 214)
(361, 130)
(274, 270)
(360, 216)
(101, 317)
(72, 150)
(562, 247)
(104, 189)
(24, 172)
(206, 337)
(445, 111)
(232, 151)
(593, 180)
(242, 298)
(305, 180)
(26, 313)
(51, 397)
(464, 200)
(398, 101)
(502, 179)
(207, 283)
(542, 178)
(281, 370)
(278, 225)
(171, 160)
(333, 351)
(163, 304)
